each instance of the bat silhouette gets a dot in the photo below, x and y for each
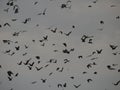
(16, 74)
(44, 80)
(89, 66)
(7, 51)
(43, 44)
(94, 58)
(10, 3)
(12, 53)
(110, 68)
(17, 48)
(41, 40)
(16, 9)
(10, 78)
(118, 70)
(80, 56)
(113, 47)
(84, 37)
(54, 31)
(38, 62)
(50, 73)
(0, 66)
(14, 20)
(116, 83)
(59, 85)
(31, 64)
(65, 85)
(38, 68)
(45, 37)
(26, 63)
(77, 86)
(47, 65)
(72, 77)
(61, 32)
(66, 60)
(35, 3)
(9, 73)
(66, 51)
(89, 80)
(95, 72)
(26, 46)
(37, 57)
(61, 69)
(24, 54)
(84, 72)
(16, 34)
(65, 44)
(90, 41)
(29, 67)
(101, 22)
(34, 82)
(7, 24)
(20, 63)
(73, 26)
(67, 34)
(27, 20)
(118, 17)
(43, 13)
(99, 51)
(72, 49)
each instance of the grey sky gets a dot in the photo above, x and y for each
(87, 22)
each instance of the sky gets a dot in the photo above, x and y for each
(43, 28)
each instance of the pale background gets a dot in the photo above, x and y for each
(86, 21)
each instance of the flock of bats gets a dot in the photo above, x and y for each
(30, 64)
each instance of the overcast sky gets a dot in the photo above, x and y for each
(99, 20)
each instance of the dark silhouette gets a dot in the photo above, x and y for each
(34, 82)
(89, 80)
(43, 13)
(110, 68)
(16, 74)
(66, 60)
(54, 31)
(20, 63)
(95, 72)
(16, 9)
(72, 77)
(66, 51)
(67, 34)
(99, 51)
(7, 24)
(31, 64)
(37, 57)
(77, 86)
(43, 80)
(65, 44)
(101, 22)
(10, 78)
(14, 20)
(29, 67)
(17, 48)
(0, 66)
(113, 47)
(38, 68)
(9, 73)
(27, 20)
(118, 17)
(27, 62)
(118, 82)
(80, 56)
